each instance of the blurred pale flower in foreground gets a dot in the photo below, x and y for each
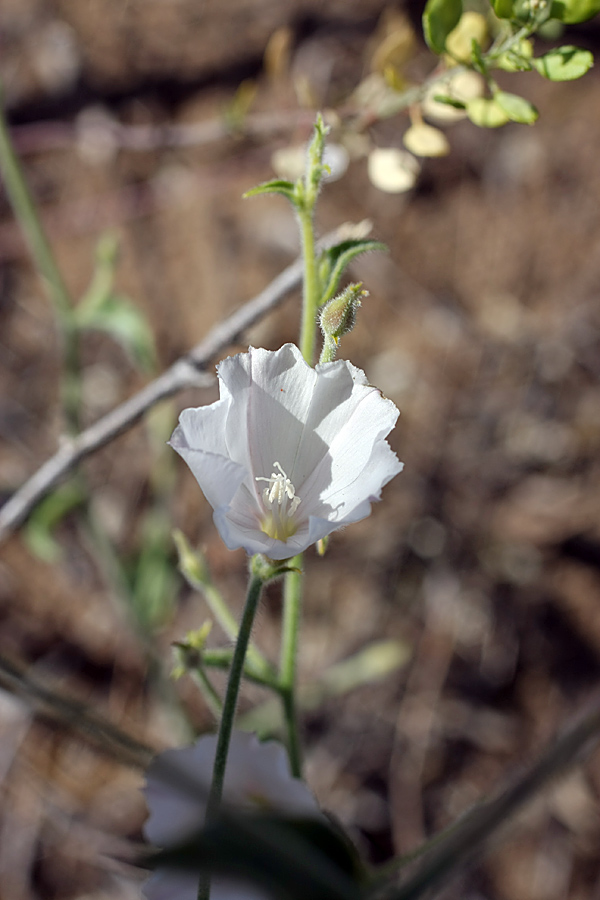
(257, 777)
(288, 453)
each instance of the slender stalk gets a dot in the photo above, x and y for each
(292, 592)
(229, 707)
(220, 610)
(221, 659)
(311, 296)
(292, 606)
(27, 216)
(208, 690)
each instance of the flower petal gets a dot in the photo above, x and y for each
(200, 441)
(319, 428)
(337, 485)
(272, 393)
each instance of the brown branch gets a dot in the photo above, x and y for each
(188, 371)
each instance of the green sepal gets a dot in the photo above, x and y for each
(564, 63)
(334, 261)
(439, 19)
(295, 858)
(516, 108)
(47, 516)
(276, 186)
(571, 12)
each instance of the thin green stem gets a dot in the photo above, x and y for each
(208, 690)
(292, 606)
(311, 298)
(221, 659)
(27, 216)
(218, 607)
(229, 707)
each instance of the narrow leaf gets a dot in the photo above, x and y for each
(277, 186)
(334, 262)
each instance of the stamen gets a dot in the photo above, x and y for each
(281, 502)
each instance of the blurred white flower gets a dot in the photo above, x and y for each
(288, 453)
(257, 777)
(393, 171)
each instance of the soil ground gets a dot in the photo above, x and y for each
(482, 325)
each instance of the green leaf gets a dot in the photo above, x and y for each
(47, 515)
(564, 63)
(439, 19)
(449, 101)
(276, 186)
(516, 108)
(292, 858)
(486, 113)
(504, 9)
(154, 579)
(119, 317)
(571, 12)
(335, 260)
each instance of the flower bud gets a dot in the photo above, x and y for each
(339, 315)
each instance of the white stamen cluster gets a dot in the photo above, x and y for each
(281, 502)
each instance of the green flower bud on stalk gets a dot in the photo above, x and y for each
(338, 317)
(192, 563)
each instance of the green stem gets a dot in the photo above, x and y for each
(221, 659)
(27, 216)
(229, 707)
(311, 296)
(218, 607)
(208, 690)
(292, 606)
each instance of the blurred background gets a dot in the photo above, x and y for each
(149, 120)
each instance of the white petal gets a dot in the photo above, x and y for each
(272, 394)
(218, 475)
(336, 486)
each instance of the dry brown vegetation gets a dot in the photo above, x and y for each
(483, 326)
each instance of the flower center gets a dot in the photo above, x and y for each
(280, 503)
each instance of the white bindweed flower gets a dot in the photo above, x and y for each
(288, 453)
(257, 777)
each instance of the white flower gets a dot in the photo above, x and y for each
(257, 777)
(288, 453)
